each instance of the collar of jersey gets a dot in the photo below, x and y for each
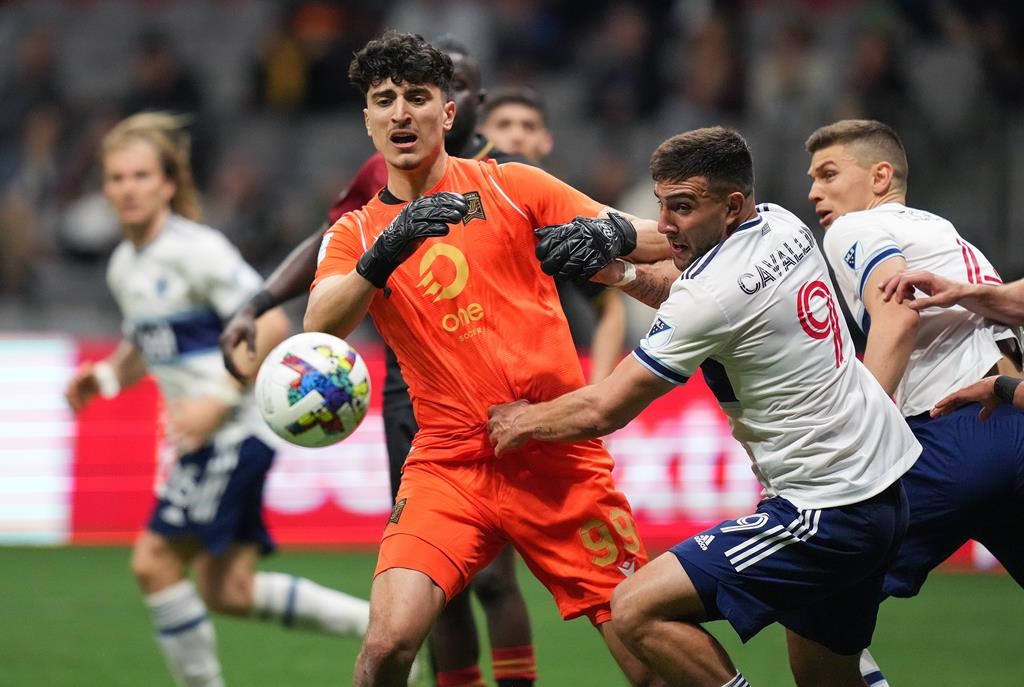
(698, 266)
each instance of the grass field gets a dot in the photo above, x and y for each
(72, 617)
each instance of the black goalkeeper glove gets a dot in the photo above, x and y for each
(580, 249)
(422, 218)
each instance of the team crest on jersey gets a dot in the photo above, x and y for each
(851, 256)
(476, 207)
(396, 512)
(660, 333)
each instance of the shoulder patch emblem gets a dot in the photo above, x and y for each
(660, 333)
(476, 207)
(851, 257)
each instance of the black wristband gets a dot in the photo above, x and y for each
(1006, 387)
(262, 302)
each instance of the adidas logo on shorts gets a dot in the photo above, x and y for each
(704, 541)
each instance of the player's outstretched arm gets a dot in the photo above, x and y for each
(649, 284)
(586, 413)
(290, 279)
(107, 377)
(989, 392)
(1000, 302)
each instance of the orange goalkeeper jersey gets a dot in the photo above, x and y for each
(471, 317)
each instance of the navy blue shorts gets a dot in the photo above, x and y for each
(215, 495)
(967, 484)
(817, 572)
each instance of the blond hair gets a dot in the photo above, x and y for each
(872, 142)
(167, 134)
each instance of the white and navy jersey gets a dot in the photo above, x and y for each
(954, 346)
(757, 316)
(174, 293)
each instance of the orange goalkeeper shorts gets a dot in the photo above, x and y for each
(556, 503)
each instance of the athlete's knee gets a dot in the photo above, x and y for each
(154, 566)
(628, 617)
(231, 595)
(389, 646)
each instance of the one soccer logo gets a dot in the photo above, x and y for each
(335, 387)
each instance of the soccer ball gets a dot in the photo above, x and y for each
(313, 389)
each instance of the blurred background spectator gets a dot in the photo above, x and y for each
(277, 130)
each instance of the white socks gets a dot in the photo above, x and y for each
(185, 634)
(870, 671)
(298, 602)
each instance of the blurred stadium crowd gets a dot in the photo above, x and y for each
(278, 131)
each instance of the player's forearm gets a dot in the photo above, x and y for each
(128, 362)
(609, 334)
(652, 285)
(651, 246)
(293, 276)
(1003, 303)
(337, 304)
(889, 346)
(575, 416)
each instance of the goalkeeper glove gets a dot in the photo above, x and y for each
(422, 218)
(581, 248)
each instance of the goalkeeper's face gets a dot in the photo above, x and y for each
(408, 122)
(692, 218)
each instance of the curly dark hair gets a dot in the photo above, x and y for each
(718, 154)
(403, 58)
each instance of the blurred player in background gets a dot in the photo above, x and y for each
(454, 642)
(175, 280)
(472, 321)
(515, 119)
(752, 311)
(969, 480)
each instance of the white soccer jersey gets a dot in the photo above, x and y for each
(757, 316)
(175, 293)
(954, 346)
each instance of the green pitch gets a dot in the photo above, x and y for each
(73, 617)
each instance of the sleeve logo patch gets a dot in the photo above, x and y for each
(476, 207)
(851, 256)
(660, 333)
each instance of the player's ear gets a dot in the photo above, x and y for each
(734, 204)
(881, 177)
(449, 115)
(366, 120)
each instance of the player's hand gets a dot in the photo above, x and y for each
(581, 248)
(82, 387)
(241, 327)
(192, 421)
(422, 218)
(983, 392)
(939, 291)
(503, 428)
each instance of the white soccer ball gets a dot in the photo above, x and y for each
(313, 389)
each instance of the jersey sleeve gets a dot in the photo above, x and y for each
(690, 326)
(543, 198)
(342, 246)
(854, 249)
(370, 178)
(218, 272)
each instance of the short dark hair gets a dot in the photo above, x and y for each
(720, 155)
(514, 95)
(873, 142)
(403, 58)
